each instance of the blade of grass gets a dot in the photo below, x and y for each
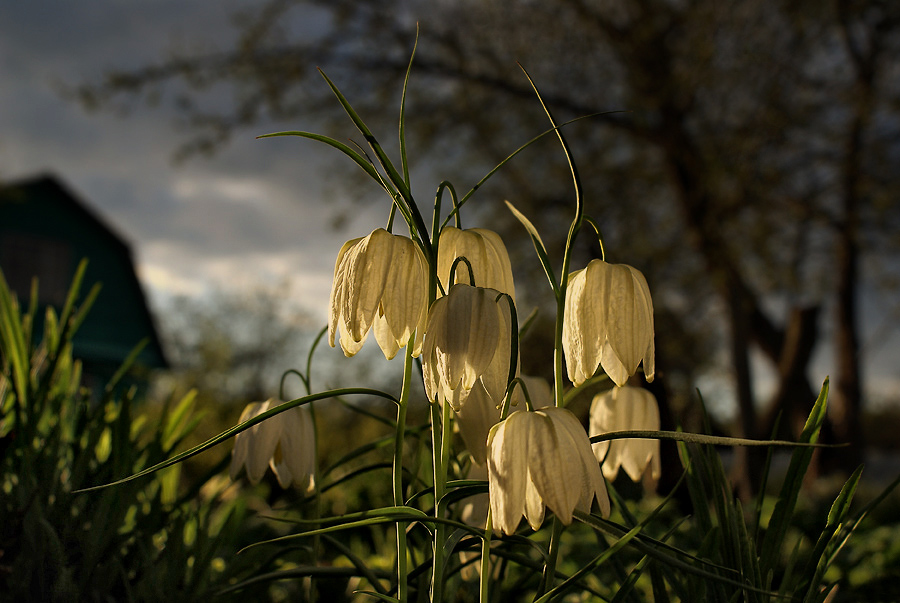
(787, 498)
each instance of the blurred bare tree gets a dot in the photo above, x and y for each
(751, 174)
(232, 347)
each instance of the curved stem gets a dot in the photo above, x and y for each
(456, 262)
(552, 556)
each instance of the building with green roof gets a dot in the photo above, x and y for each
(45, 231)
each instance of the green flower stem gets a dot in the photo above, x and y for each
(461, 259)
(484, 593)
(402, 587)
(552, 556)
(442, 439)
(317, 505)
(558, 389)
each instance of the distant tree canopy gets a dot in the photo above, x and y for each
(745, 156)
(234, 348)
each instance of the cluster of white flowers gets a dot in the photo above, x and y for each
(537, 458)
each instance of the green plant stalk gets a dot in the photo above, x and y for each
(552, 556)
(441, 435)
(402, 587)
(484, 591)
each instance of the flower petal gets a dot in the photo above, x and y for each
(557, 479)
(385, 337)
(242, 441)
(485, 252)
(475, 419)
(405, 295)
(366, 277)
(337, 290)
(507, 472)
(263, 441)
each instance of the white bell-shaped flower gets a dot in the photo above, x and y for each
(467, 340)
(285, 442)
(627, 409)
(537, 460)
(380, 283)
(485, 251)
(608, 322)
(481, 412)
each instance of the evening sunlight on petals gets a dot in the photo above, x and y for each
(380, 284)
(541, 460)
(608, 322)
(467, 340)
(485, 252)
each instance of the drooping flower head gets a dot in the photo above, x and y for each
(467, 340)
(380, 283)
(481, 412)
(627, 408)
(608, 322)
(537, 460)
(485, 251)
(285, 442)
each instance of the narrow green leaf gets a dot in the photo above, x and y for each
(379, 596)
(404, 163)
(538, 244)
(787, 499)
(72, 295)
(394, 176)
(86, 304)
(496, 168)
(354, 474)
(51, 330)
(699, 438)
(375, 517)
(174, 421)
(357, 562)
(347, 150)
(408, 205)
(126, 365)
(579, 199)
(14, 346)
(818, 563)
(841, 506)
(654, 547)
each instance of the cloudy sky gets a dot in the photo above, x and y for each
(258, 212)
